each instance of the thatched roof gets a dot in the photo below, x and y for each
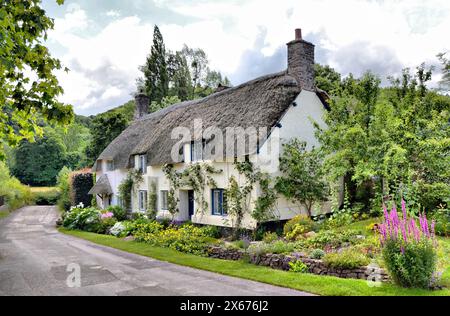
(102, 186)
(257, 103)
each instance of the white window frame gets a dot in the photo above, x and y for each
(164, 195)
(110, 165)
(193, 153)
(142, 201)
(142, 164)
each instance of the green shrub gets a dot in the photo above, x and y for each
(119, 213)
(303, 221)
(298, 267)
(64, 201)
(80, 184)
(270, 237)
(276, 247)
(442, 221)
(332, 238)
(212, 231)
(187, 238)
(87, 219)
(408, 248)
(413, 266)
(106, 224)
(16, 195)
(338, 220)
(317, 254)
(142, 228)
(346, 259)
(46, 197)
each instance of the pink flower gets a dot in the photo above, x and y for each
(107, 215)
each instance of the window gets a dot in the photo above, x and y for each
(119, 201)
(197, 150)
(142, 164)
(164, 197)
(142, 201)
(219, 202)
(109, 165)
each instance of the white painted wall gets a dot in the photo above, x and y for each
(296, 123)
(115, 178)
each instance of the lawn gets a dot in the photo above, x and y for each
(42, 189)
(4, 213)
(322, 285)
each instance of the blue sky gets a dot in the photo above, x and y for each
(103, 42)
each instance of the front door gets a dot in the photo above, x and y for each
(191, 202)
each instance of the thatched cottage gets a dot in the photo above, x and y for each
(268, 110)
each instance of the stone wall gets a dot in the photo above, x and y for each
(281, 262)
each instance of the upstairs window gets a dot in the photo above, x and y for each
(142, 164)
(110, 165)
(219, 202)
(197, 150)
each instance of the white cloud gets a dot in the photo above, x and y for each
(349, 35)
(112, 13)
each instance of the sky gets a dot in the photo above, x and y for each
(103, 42)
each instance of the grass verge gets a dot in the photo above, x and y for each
(3, 214)
(322, 285)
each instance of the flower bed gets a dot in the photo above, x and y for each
(281, 262)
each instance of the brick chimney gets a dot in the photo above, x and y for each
(142, 102)
(301, 61)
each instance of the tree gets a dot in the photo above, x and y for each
(302, 175)
(327, 79)
(75, 139)
(156, 79)
(28, 85)
(393, 141)
(38, 163)
(180, 76)
(105, 128)
(198, 64)
(165, 102)
(445, 80)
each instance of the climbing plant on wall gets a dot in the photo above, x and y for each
(238, 197)
(152, 209)
(126, 187)
(196, 176)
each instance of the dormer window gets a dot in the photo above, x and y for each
(110, 165)
(197, 150)
(142, 164)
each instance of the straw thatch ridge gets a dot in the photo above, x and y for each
(101, 187)
(257, 103)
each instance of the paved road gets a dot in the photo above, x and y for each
(34, 258)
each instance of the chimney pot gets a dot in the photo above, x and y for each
(298, 34)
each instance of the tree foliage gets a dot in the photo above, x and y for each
(302, 179)
(105, 128)
(39, 163)
(28, 85)
(327, 79)
(156, 77)
(395, 138)
(445, 80)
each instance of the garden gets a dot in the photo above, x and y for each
(398, 248)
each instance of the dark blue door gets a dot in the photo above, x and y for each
(191, 202)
